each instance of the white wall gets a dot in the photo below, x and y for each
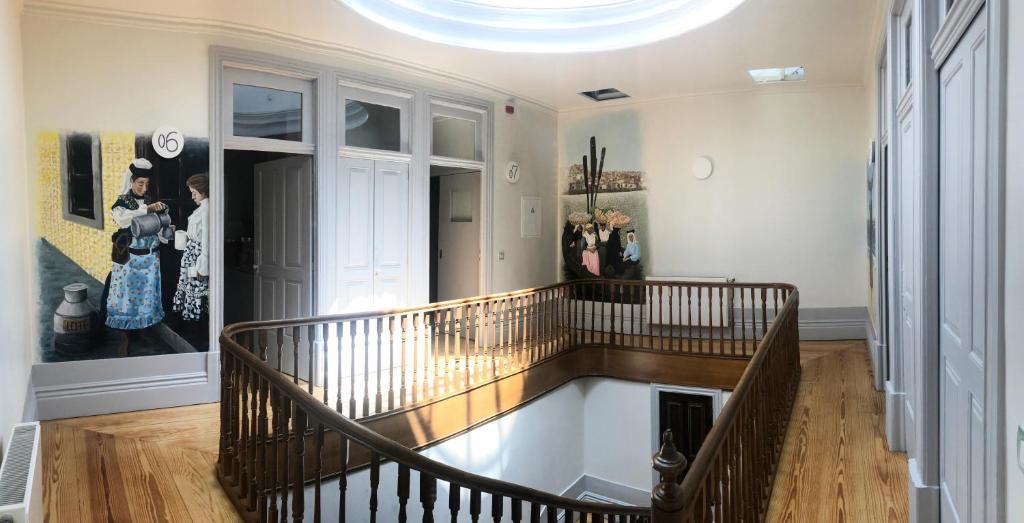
(15, 274)
(130, 75)
(1014, 261)
(617, 432)
(787, 200)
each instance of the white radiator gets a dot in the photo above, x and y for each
(21, 475)
(708, 301)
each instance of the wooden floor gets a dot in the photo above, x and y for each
(835, 464)
(158, 465)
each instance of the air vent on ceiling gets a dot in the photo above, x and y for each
(603, 95)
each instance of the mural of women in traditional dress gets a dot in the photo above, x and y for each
(108, 206)
(134, 299)
(191, 299)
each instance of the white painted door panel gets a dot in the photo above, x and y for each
(962, 261)
(356, 215)
(391, 234)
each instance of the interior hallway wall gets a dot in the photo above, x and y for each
(786, 202)
(119, 75)
(1014, 261)
(15, 276)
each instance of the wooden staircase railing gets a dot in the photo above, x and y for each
(292, 391)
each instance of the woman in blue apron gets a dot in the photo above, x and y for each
(135, 300)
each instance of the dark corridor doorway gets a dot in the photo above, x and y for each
(690, 416)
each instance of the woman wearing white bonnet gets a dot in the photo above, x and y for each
(134, 300)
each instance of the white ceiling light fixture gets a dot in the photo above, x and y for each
(544, 26)
(777, 74)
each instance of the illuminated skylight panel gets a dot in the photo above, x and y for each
(543, 26)
(777, 74)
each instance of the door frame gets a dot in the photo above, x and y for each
(717, 402)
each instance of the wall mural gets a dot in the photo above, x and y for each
(600, 237)
(123, 259)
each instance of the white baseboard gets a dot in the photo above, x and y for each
(593, 488)
(925, 500)
(895, 429)
(87, 388)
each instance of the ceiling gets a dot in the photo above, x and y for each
(832, 39)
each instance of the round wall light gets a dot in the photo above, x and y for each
(702, 168)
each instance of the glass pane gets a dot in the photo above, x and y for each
(262, 112)
(454, 138)
(373, 126)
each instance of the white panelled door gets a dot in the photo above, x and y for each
(372, 248)
(284, 266)
(963, 97)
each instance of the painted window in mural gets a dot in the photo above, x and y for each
(373, 126)
(264, 112)
(82, 179)
(139, 283)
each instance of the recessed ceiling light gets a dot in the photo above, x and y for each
(777, 74)
(603, 95)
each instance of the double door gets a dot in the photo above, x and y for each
(373, 202)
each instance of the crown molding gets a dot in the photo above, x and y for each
(149, 21)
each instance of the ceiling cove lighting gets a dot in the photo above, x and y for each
(543, 26)
(777, 74)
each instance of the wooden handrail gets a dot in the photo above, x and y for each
(274, 425)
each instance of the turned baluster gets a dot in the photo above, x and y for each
(311, 345)
(366, 367)
(392, 324)
(454, 500)
(374, 484)
(296, 339)
(338, 332)
(275, 462)
(534, 512)
(403, 493)
(261, 457)
(342, 476)
(517, 510)
(284, 469)
(428, 496)
(552, 514)
(497, 507)
(352, 370)
(298, 464)
(378, 398)
(474, 506)
(318, 469)
(242, 407)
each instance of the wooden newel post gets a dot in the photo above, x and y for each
(667, 498)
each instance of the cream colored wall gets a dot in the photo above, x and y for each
(786, 201)
(1014, 262)
(131, 76)
(15, 272)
